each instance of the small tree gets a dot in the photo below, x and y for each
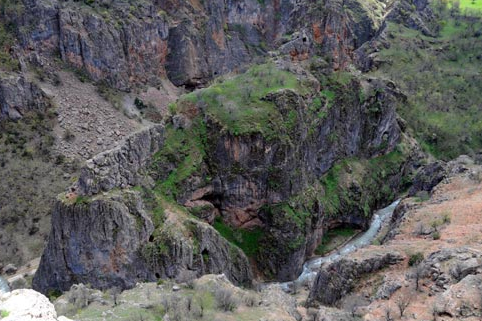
(417, 274)
(388, 313)
(114, 293)
(402, 303)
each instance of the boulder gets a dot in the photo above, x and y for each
(27, 305)
(10, 269)
(428, 177)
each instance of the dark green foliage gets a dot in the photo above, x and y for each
(246, 240)
(379, 178)
(53, 294)
(82, 200)
(339, 232)
(415, 259)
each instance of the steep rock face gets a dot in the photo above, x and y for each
(121, 167)
(428, 177)
(18, 96)
(106, 45)
(93, 238)
(190, 42)
(255, 180)
(202, 251)
(413, 14)
(338, 279)
(416, 15)
(99, 230)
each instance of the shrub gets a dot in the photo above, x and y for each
(446, 218)
(436, 235)
(415, 259)
(250, 300)
(225, 299)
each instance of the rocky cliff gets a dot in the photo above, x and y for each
(18, 96)
(271, 154)
(106, 237)
(338, 279)
(240, 173)
(189, 41)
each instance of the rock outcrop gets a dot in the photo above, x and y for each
(203, 251)
(273, 182)
(121, 166)
(106, 241)
(428, 177)
(27, 305)
(338, 279)
(18, 96)
(95, 241)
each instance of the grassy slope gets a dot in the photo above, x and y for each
(442, 79)
(238, 104)
(469, 4)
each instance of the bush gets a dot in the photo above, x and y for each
(415, 259)
(225, 299)
(436, 235)
(446, 218)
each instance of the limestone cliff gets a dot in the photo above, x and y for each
(18, 96)
(189, 41)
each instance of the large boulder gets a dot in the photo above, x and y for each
(428, 177)
(27, 305)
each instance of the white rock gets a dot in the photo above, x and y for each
(26, 304)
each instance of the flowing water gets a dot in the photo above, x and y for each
(4, 288)
(311, 266)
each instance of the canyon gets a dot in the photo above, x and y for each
(180, 146)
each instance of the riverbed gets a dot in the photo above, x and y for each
(311, 267)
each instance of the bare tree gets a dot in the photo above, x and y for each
(114, 293)
(388, 313)
(417, 274)
(402, 303)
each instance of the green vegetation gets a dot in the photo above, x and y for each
(4, 313)
(184, 148)
(442, 79)
(465, 4)
(372, 176)
(415, 259)
(81, 200)
(238, 104)
(334, 238)
(8, 9)
(246, 240)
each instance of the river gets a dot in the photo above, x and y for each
(4, 288)
(311, 267)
